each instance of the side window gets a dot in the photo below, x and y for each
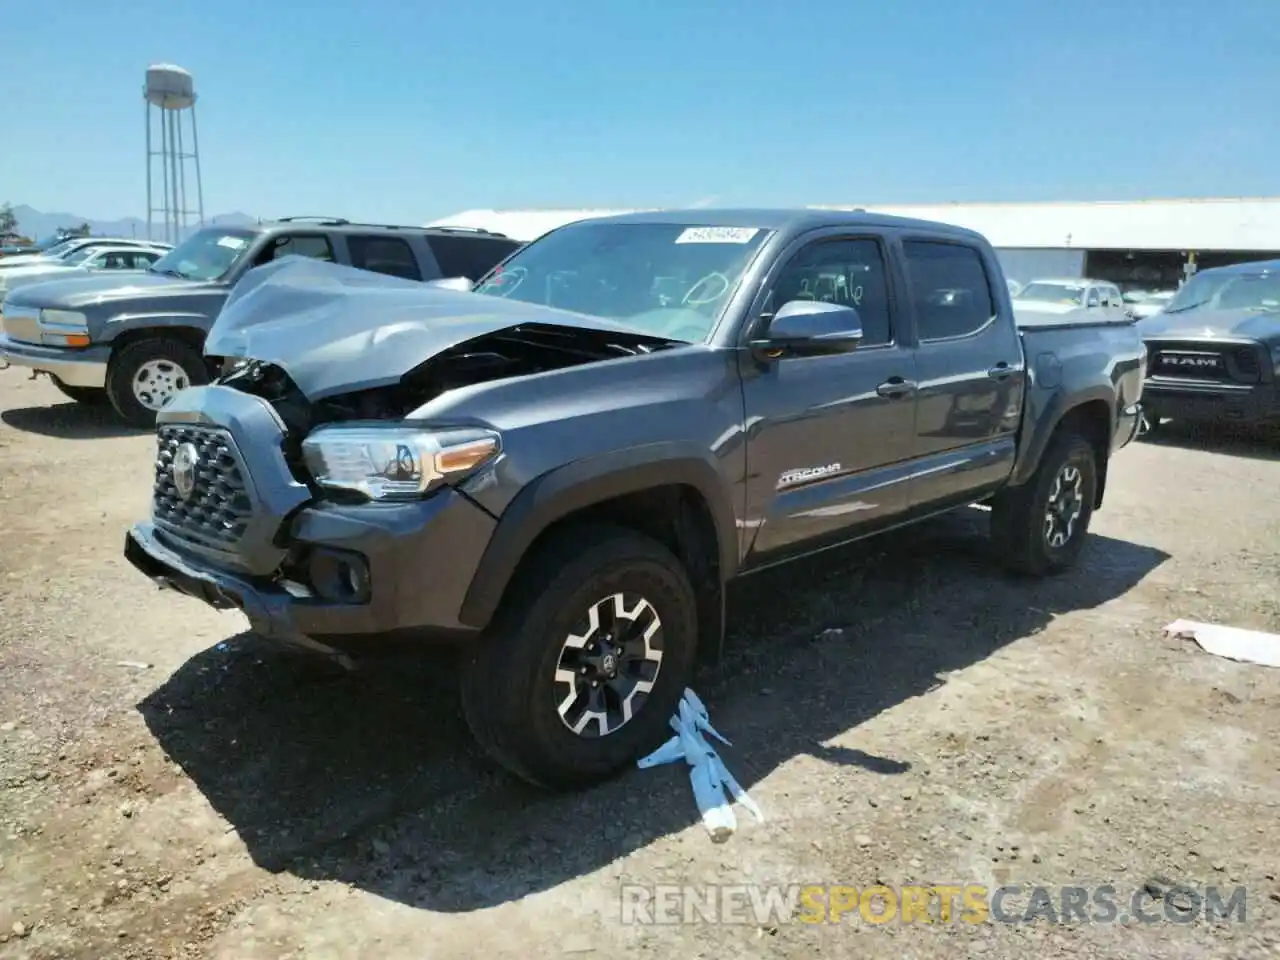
(389, 255)
(115, 261)
(949, 288)
(1094, 299)
(143, 260)
(840, 271)
(468, 256)
(314, 245)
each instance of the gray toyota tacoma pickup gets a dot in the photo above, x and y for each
(1215, 349)
(136, 341)
(562, 469)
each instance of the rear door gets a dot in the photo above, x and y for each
(970, 369)
(830, 436)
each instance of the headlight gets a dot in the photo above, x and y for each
(395, 463)
(64, 321)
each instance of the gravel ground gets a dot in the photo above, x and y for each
(903, 712)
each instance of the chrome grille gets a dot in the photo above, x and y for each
(1204, 361)
(217, 509)
(22, 323)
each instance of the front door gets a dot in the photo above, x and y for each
(971, 372)
(829, 438)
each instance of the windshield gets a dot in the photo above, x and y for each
(51, 241)
(1228, 291)
(1053, 292)
(80, 256)
(666, 279)
(59, 249)
(206, 255)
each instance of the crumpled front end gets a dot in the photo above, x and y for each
(235, 524)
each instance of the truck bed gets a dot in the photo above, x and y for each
(1075, 320)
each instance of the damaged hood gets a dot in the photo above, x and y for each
(336, 329)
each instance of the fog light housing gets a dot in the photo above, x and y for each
(340, 576)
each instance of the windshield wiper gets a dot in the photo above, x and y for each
(167, 272)
(1184, 309)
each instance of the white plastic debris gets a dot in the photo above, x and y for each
(714, 788)
(1233, 643)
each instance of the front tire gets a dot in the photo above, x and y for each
(548, 694)
(144, 376)
(1040, 527)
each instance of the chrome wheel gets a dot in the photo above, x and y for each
(157, 382)
(608, 667)
(1066, 503)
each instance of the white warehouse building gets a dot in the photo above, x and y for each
(1149, 244)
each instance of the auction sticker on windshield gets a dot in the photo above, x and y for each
(717, 235)
(233, 243)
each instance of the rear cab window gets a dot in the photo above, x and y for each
(949, 288)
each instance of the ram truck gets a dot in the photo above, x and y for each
(561, 469)
(136, 341)
(1215, 349)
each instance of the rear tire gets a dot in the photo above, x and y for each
(89, 396)
(1040, 527)
(144, 376)
(529, 681)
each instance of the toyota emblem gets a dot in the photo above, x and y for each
(184, 469)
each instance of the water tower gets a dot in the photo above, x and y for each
(170, 95)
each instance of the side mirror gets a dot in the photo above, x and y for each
(811, 328)
(461, 284)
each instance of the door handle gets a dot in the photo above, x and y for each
(895, 388)
(1000, 371)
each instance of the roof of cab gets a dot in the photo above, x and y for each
(796, 220)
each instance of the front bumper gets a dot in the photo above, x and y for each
(78, 367)
(420, 559)
(1211, 402)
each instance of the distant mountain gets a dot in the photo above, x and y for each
(37, 225)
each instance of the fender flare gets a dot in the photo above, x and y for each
(582, 483)
(1048, 421)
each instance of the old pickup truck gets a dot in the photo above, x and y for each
(136, 341)
(562, 469)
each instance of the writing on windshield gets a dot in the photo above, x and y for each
(208, 254)
(668, 280)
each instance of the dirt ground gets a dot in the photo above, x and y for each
(903, 712)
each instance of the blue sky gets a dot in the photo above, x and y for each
(406, 111)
